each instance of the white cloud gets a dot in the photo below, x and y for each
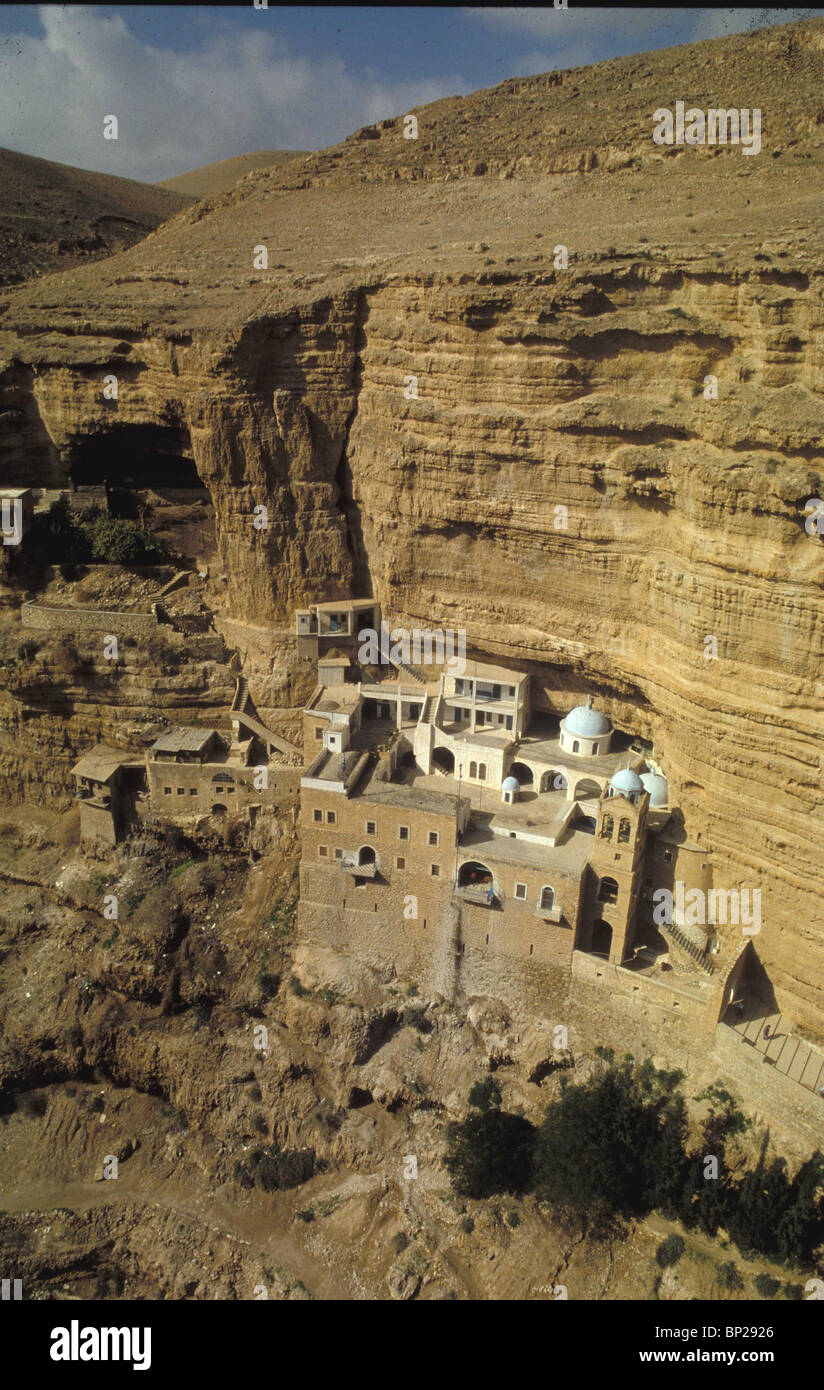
(177, 110)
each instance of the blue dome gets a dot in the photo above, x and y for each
(587, 722)
(625, 780)
(510, 784)
(658, 788)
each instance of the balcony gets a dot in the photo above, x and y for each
(349, 862)
(550, 914)
(484, 894)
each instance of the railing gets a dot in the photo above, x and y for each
(484, 894)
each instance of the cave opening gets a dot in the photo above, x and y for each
(147, 473)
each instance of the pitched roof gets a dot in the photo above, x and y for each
(183, 738)
(100, 763)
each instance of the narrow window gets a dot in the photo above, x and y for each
(434, 838)
(331, 817)
(473, 769)
(435, 870)
(318, 815)
(400, 862)
(623, 831)
(520, 890)
(371, 827)
(323, 851)
(607, 827)
(403, 832)
(482, 772)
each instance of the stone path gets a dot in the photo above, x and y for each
(768, 1034)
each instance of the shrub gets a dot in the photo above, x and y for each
(728, 1276)
(414, 1016)
(794, 1292)
(27, 651)
(767, 1286)
(490, 1152)
(513, 1219)
(670, 1251)
(296, 987)
(273, 1170)
(268, 984)
(467, 1224)
(486, 1094)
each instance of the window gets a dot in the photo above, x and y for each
(594, 749)
(403, 832)
(547, 898)
(323, 851)
(520, 891)
(371, 827)
(510, 690)
(434, 838)
(181, 791)
(623, 831)
(331, 817)
(400, 862)
(617, 856)
(608, 891)
(229, 790)
(576, 745)
(317, 815)
(193, 791)
(318, 733)
(607, 827)
(482, 772)
(509, 721)
(167, 791)
(435, 870)
(338, 853)
(473, 769)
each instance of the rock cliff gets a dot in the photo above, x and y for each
(553, 479)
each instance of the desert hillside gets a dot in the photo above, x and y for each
(213, 179)
(53, 216)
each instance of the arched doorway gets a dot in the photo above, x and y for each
(586, 824)
(601, 938)
(443, 760)
(472, 874)
(554, 781)
(408, 759)
(218, 809)
(523, 774)
(586, 789)
(366, 855)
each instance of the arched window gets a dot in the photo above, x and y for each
(594, 749)
(623, 831)
(576, 745)
(607, 827)
(473, 769)
(608, 891)
(482, 772)
(547, 898)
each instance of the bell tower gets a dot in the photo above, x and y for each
(614, 877)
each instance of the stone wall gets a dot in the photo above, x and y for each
(43, 617)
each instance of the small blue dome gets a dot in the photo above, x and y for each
(658, 788)
(510, 784)
(625, 780)
(586, 722)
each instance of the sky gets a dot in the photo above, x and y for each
(194, 84)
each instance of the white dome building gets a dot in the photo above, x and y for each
(510, 788)
(585, 731)
(658, 788)
(626, 783)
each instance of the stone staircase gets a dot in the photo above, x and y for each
(243, 710)
(682, 941)
(768, 1035)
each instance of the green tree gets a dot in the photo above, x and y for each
(490, 1152)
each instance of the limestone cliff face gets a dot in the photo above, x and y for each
(559, 486)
